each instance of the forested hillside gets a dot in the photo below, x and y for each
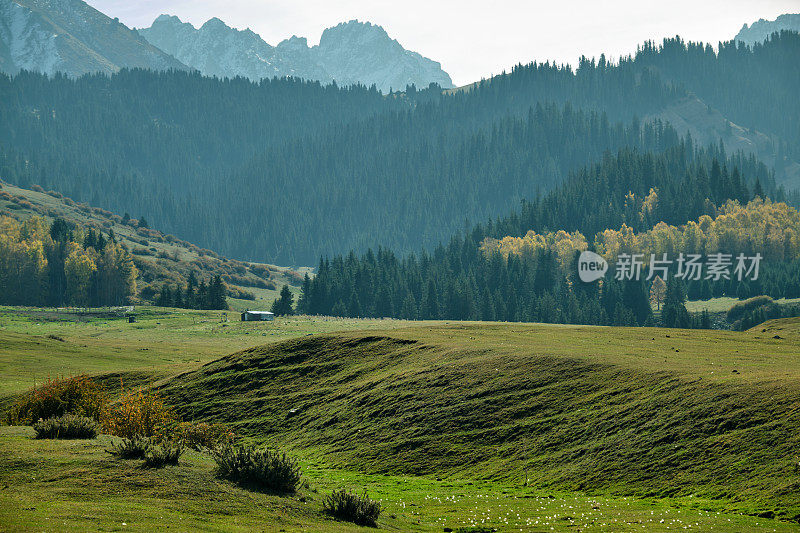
(753, 87)
(474, 278)
(285, 171)
(57, 264)
(169, 271)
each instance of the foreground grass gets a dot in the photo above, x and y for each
(614, 428)
(78, 486)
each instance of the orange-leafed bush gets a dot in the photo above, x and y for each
(199, 435)
(140, 413)
(56, 397)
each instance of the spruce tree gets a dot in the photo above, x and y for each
(283, 305)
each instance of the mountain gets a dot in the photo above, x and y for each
(70, 36)
(762, 29)
(362, 52)
(287, 170)
(352, 52)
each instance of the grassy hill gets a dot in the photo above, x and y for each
(507, 426)
(640, 412)
(160, 258)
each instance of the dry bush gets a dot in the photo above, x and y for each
(166, 453)
(134, 448)
(141, 413)
(77, 395)
(242, 281)
(264, 469)
(199, 435)
(295, 278)
(66, 427)
(142, 251)
(351, 507)
(241, 294)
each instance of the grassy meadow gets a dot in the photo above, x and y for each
(508, 427)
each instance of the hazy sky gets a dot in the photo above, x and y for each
(474, 39)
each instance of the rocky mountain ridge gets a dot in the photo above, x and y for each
(70, 36)
(349, 53)
(760, 30)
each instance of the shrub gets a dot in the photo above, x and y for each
(78, 395)
(140, 413)
(351, 507)
(740, 308)
(235, 292)
(167, 453)
(266, 469)
(199, 435)
(66, 427)
(134, 448)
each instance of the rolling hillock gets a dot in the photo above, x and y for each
(647, 412)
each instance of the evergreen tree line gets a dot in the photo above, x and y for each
(458, 281)
(277, 170)
(204, 295)
(62, 264)
(777, 280)
(691, 181)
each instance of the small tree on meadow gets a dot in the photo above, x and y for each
(658, 291)
(283, 305)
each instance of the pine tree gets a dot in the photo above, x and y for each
(674, 313)
(409, 309)
(165, 297)
(283, 305)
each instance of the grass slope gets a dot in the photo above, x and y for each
(642, 412)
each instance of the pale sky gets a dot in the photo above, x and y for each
(476, 39)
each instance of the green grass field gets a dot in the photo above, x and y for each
(514, 427)
(723, 305)
(36, 344)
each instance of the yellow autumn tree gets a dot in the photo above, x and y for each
(78, 269)
(761, 226)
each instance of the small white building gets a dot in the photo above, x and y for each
(257, 316)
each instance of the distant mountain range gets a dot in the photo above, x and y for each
(352, 52)
(762, 29)
(70, 36)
